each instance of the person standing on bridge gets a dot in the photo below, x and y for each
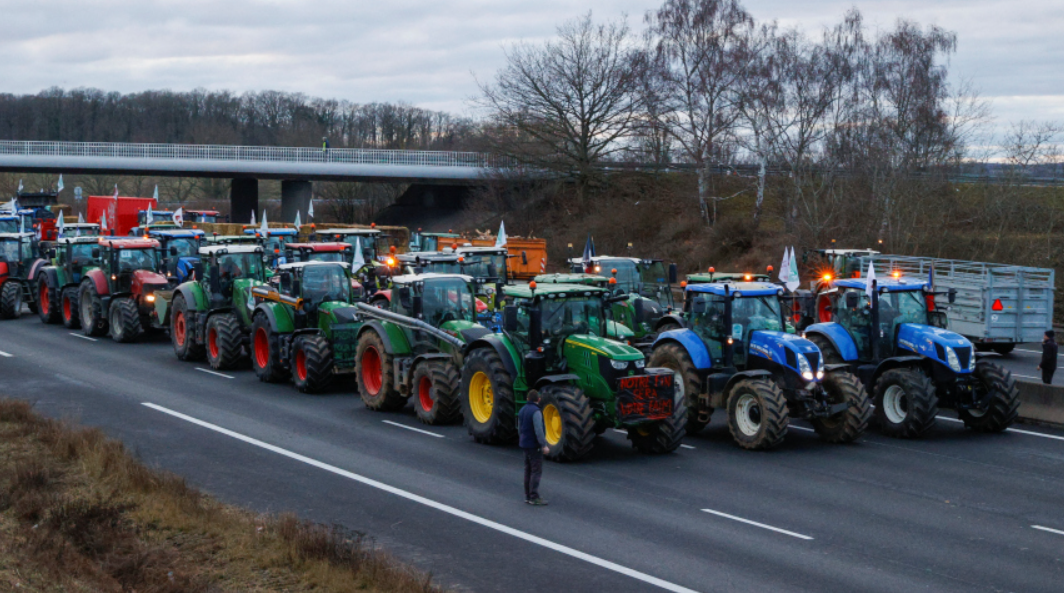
(1048, 366)
(325, 145)
(533, 439)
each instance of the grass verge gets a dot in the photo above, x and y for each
(78, 513)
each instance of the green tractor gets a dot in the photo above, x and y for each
(416, 345)
(305, 327)
(57, 283)
(117, 294)
(555, 341)
(209, 314)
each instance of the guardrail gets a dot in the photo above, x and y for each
(252, 153)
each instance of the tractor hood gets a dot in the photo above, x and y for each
(467, 331)
(147, 279)
(949, 348)
(340, 311)
(603, 347)
(793, 352)
(618, 331)
(4, 269)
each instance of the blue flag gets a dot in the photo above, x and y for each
(589, 252)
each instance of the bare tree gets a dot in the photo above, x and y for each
(566, 105)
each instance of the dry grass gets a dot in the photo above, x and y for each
(78, 513)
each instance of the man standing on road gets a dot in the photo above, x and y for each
(534, 441)
(1048, 366)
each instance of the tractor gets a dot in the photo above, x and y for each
(427, 242)
(649, 308)
(372, 242)
(328, 252)
(714, 276)
(486, 265)
(58, 281)
(305, 327)
(886, 332)
(180, 251)
(416, 345)
(209, 315)
(162, 220)
(117, 293)
(734, 353)
(18, 267)
(273, 242)
(554, 341)
(81, 229)
(199, 216)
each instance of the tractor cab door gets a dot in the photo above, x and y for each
(708, 319)
(852, 310)
(321, 284)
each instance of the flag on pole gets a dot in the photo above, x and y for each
(60, 227)
(148, 219)
(59, 187)
(81, 219)
(252, 218)
(21, 223)
(155, 196)
(871, 278)
(14, 205)
(310, 208)
(116, 191)
(103, 224)
(360, 260)
(785, 267)
(500, 241)
(179, 217)
(19, 186)
(793, 280)
(589, 252)
(264, 228)
(299, 223)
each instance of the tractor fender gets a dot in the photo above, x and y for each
(279, 323)
(191, 302)
(670, 318)
(420, 358)
(895, 362)
(4, 270)
(742, 376)
(552, 379)
(507, 355)
(394, 341)
(98, 280)
(839, 338)
(35, 268)
(50, 275)
(689, 341)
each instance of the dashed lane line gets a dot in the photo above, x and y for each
(1049, 529)
(431, 434)
(76, 335)
(756, 524)
(686, 447)
(215, 373)
(6, 355)
(522, 535)
(1016, 430)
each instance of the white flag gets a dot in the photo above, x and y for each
(264, 228)
(116, 191)
(310, 209)
(785, 267)
(60, 226)
(252, 218)
(60, 186)
(870, 279)
(103, 223)
(19, 186)
(360, 260)
(149, 218)
(500, 241)
(155, 196)
(298, 222)
(792, 275)
(81, 219)
(179, 217)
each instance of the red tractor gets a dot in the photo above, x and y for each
(18, 264)
(119, 295)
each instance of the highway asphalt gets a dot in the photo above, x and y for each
(1023, 362)
(956, 511)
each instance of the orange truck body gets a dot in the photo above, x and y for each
(121, 212)
(534, 249)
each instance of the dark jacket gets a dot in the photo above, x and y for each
(1049, 355)
(530, 427)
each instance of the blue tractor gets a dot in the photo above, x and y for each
(180, 252)
(734, 353)
(893, 339)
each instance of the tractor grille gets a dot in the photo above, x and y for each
(963, 355)
(814, 359)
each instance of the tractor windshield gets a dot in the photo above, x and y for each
(367, 242)
(137, 259)
(276, 243)
(14, 250)
(241, 265)
(185, 247)
(327, 256)
(895, 308)
(326, 283)
(447, 299)
(627, 273)
(562, 317)
(485, 265)
(81, 253)
(654, 283)
(748, 314)
(9, 225)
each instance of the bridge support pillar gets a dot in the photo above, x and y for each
(243, 199)
(295, 197)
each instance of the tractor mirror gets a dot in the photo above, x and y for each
(637, 309)
(95, 253)
(951, 296)
(535, 328)
(509, 318)
(173, 251)
(215, 280)
(524, 257)
(197, 270)
(417, 305)
(674, 274)
(851, 300)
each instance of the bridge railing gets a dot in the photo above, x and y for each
(212, 152)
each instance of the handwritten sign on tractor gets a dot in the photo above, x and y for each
(645, 397)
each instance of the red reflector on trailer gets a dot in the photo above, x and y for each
(997, 305)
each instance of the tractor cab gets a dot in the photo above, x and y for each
(81, 229)
(228, 272)
(649, 307)
(837, 263)
(372, 242)
(74, 254)
(437, 262)
(273, 241)
(487, 264)
(18, 263)
(315, 283)
(180, 251)
(8, 222)
(198, 216)
(422, 242)
(437, 299)
(161, 220)
(128, 261)
(324, 252)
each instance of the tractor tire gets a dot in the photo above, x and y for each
(10, 300)
(757, 414)
(224, 342)
(124, 323)
(569, 425)
(71, 314)
(312, 365)
(827, 349)
(668, 327)
(488, 398)
(846, 426)
(663, 436)
(90, 310)
(47, 300)
(436, 386)
(906, 403)
(376, 381)
(266, 352)
(183, 332)
(688, 384)
(1004, 400)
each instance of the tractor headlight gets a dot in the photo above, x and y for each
(150, 298)
(971, 359)
(951, 358)
(820, 374)
(808, 375)
(803, 364)
(620, 365)
(640, 364)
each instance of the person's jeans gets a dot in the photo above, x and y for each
(533, 472)
(1047, 375)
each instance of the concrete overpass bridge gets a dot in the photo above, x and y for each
(246, 165)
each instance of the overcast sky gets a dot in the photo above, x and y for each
(427, 53)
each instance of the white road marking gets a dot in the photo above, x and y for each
(83, 337)
(6, 355)
(528, 537)
(686, 447)
(1056, 531)
(1034, 351)
(431, 434)
(756, 524)
(1016, 430)
(620, 431)
(1024, 376)
(208, 371)
(801, 428)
